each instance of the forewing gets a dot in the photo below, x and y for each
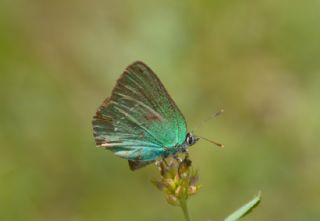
(140, 118)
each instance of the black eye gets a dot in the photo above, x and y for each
(190, 139)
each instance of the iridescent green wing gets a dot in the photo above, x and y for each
(140, 120)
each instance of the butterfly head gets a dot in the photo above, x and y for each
(191, 139)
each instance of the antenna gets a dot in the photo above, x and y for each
(211, 141)
(216, 114)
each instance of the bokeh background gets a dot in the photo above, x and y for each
(259, 60)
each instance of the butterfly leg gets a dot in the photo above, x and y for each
(186, 154)
(163, 159)
(177, 158)
(163, 165)
(183, 169)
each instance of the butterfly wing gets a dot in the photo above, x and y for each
(140, 120)
(137, 164)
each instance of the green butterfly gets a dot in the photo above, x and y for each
(140, 122)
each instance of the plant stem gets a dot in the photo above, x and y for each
(184, 207)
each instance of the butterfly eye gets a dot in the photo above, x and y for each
(190, 139)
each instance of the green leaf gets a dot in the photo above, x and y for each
(244, 210)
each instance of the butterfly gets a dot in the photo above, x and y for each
(140, 122)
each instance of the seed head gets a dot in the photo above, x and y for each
(177, 180)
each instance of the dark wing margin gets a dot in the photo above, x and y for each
(99, 119)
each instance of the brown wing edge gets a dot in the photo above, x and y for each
(138, 164)
(99, 117)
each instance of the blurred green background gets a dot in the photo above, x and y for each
(259, 60)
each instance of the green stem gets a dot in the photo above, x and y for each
(185, 210)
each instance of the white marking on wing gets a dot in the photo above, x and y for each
(133, 81)
(129, 145)
(141, 104)
(130, 88)
(111, 144)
